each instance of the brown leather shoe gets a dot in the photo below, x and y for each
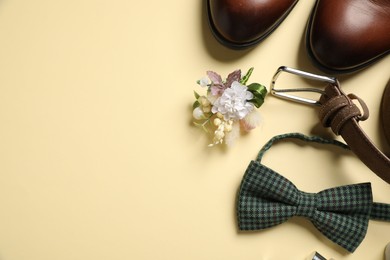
(240, 24)
(385, 112)
(347, 35)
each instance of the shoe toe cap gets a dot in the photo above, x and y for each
(246, 21)
(348, 34)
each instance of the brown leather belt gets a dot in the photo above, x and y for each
(338, 111)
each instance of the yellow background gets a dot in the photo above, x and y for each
(98, 155)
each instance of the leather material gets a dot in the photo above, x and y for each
(387, 252)
(243, 23)
(385, 112)
(347, 35)
(330, 113)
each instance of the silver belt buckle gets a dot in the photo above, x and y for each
(285, 93)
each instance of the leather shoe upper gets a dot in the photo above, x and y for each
(243, 23)
(347, 35)
(385, 114)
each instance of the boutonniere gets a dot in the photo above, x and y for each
(228, 107)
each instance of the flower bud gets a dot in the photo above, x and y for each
(207, 109)
(219, 135)
(204, 101)
(203, 82)
(217, 122)
(198, 113)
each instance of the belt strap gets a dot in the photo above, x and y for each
(338, 111)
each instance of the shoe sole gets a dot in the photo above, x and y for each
(241, 46)
(328, 69)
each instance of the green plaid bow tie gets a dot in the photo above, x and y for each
(267, 199)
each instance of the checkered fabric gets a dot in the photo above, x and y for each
(267, 199)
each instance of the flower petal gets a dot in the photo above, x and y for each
(214, 77)
(234, 76)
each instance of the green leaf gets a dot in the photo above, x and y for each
(257, 102)
(245, 79)
(259, 92)
(196, 95)
(258, 89)
(196, 104)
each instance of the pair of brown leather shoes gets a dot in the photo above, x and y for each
(342, 35)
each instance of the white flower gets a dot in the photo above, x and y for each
(203, 82)
(233, 102)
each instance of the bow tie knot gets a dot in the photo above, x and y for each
(307, 205)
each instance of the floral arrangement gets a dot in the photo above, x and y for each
(228, 106)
